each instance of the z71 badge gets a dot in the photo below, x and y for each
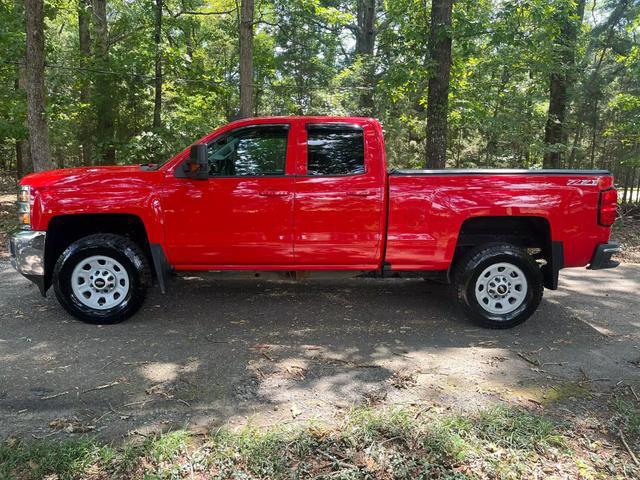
(574, 181)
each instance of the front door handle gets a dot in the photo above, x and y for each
(273, 193)
(361, 193)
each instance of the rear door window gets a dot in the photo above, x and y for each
(335, 150)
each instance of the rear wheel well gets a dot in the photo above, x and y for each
(530, 233)
(63, 230)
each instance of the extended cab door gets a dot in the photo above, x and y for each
(242, 216)
(339, 196)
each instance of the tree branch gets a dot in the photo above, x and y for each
(190, 12)
(179, 13)
(113, 39)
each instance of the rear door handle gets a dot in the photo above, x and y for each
(361, 193)
(273, 193)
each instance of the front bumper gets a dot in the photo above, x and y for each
(602, 256)
(26, 248)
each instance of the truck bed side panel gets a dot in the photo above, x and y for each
(427, 210)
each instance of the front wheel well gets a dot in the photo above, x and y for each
(63, 230)
(527, 232)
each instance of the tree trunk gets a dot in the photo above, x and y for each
(626, 185)
(365, 49)
(188, 30)
(555, 120)
(560, 81)
(84, 36)
(188, 40)
(594, 133)
(59, 157)
(19, 160)
(23, 158)
(36, 121)
(157, 105)
(632, 183)
(494, 137)
(576, 142)
(103, 94)
(246, 58)
(438, 96)
(23, 154)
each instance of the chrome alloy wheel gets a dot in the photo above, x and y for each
(100, 282)
(501, 288)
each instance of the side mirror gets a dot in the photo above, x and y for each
(198, 165)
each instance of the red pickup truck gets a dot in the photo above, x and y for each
(308, 194)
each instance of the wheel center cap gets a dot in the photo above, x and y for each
(99, 283)
(502, 289)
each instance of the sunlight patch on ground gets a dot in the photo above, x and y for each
(160, 372)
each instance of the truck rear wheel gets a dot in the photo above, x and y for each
(499, 285)
(102, 278)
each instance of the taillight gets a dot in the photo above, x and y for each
(608, 208)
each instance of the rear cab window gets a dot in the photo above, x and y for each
(335, 149)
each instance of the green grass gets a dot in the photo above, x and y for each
(504, 443)
(501, 442)
(35, 460)
(627, 419)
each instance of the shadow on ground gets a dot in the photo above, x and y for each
(252, 351)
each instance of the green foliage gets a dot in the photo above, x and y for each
(627, 419)
(12, 101)
(66, 459)
(304, 63)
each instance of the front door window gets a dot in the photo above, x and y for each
(249, 152)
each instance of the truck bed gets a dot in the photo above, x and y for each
(428, 210)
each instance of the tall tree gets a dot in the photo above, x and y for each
(246, 58)
(104, 97)
(365, 47)
(157, 37)
(560, 80)
(84, 40)
(34, 59)
(439, 76)
(501, 64)
(23, 154)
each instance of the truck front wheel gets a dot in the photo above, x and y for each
(102, 278)
(499, 285)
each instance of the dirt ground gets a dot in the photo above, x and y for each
(233, 352)
(8, 210)
(626, 230)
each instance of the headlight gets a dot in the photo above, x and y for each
(24, 207)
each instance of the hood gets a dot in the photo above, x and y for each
(87, 176)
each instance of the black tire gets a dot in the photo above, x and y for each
(124, 251)
(475, 262)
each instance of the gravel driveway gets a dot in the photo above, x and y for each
(217, 351)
